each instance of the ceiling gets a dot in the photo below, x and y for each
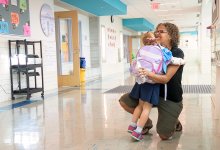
(183, 13)
(99, 7)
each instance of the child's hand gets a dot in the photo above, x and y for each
(140, 71)
(144, 72)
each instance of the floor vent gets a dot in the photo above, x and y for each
(190, 89)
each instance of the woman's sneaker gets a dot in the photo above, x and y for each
(147, 126)
(179, 127)
(146, 129)
(131, 128)
(137, 136)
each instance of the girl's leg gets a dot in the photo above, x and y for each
(135, 117)
(146, 108)
(137, 111)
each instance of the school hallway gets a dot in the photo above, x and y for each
(90, 118)
(65, 64)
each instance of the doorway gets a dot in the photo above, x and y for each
(67, 32)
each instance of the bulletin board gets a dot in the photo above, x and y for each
(15, 17)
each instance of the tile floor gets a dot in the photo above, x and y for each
(86, 118)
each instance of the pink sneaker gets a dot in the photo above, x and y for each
(137, 136)
(131, 128)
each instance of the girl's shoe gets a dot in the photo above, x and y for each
(137, 136)
(131, 128)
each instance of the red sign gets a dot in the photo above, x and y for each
(155, 6)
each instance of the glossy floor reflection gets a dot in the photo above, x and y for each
(87, 119)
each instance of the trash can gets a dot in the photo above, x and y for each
(82, 69)
(82, 62)
(82, 75)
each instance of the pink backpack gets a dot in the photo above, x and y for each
(149, 57)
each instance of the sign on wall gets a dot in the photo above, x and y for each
(15, 17)
(111, 37)
(215, 10)
(111, 45)
(217, 55)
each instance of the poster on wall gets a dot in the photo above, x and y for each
(111, 45)
(15, 17)
(215, 10)
(111, 37)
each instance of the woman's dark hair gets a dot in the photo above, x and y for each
(173, 32)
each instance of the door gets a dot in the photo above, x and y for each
(68, 63)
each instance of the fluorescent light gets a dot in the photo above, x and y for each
(160, 10)
(168, 3)
(171, 15)
(169, 10)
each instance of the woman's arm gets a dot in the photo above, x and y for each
(171, 70)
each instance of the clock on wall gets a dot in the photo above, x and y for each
(47, 20)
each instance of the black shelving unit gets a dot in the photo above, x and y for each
(26, 68)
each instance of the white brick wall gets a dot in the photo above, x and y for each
(49, 52)
(205, 49)
(216, 70)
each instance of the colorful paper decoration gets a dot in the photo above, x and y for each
(14, 2)
(23, 4)
(5, 2)
(4, 27)
(27, 30)
(14, 18)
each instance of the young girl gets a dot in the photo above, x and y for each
(148, 51)
(147, 93)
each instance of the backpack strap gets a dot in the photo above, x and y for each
(165, 92)
(165, 85)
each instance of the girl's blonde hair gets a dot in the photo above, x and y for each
(146, 36)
